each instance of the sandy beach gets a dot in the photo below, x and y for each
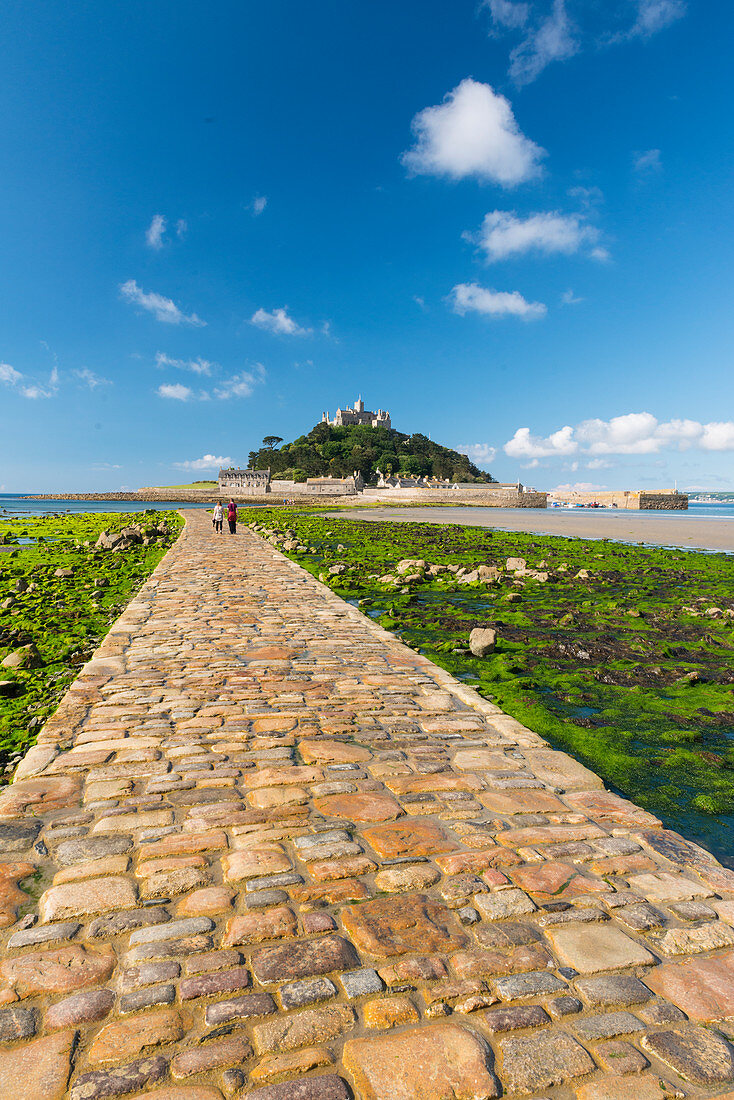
(649, 527)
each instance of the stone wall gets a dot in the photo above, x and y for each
(660, 501)
(480, 495)
(631, 499)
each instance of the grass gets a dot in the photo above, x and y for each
(624, 670)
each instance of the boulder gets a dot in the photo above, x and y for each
(582, 575)
(411, 565)
(488, 573)
(25, 657)
(22, 585)
(469, 578)
(515, 564)
(482, 641)
(337, 570)
(10, 688)
(66, 573)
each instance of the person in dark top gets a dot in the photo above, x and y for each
(232, 517)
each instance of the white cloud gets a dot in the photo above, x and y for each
(33, 391)
(242, 384)
(647, 162)
(198, 365)
(258, 205)
(552, 39)
(155, 232)
(472, 298)
(164, 309)
(630, 434)
(547, 34)
(181, 228)
(525, 445)
(599, 464)
(473, 133)
(478, 452)
(656, 15)
(603, 255)
(503, 234)
(420, 302)
(568, 298)
(9, 375)
(508, 13)
(206, 462)
(91, 379)
(279, 322)
(175, 391)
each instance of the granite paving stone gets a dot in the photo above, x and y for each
(279, 855)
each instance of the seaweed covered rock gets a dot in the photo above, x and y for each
(482, 641)
(25, 657)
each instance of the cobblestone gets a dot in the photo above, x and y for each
(283, 856)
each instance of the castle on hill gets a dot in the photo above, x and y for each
(358, 415)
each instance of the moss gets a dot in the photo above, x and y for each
(65, 618)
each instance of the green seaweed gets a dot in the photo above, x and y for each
(65, 618)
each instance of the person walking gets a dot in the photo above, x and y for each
(218, 517)
(232, 517)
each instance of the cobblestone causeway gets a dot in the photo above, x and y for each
(266, 851)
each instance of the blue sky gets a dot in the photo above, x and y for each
(509, 223)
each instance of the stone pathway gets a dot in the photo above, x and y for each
(277, 855)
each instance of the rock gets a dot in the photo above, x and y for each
(9, 689)
(435, 1062)
(359, 983)
(230, 1050)
(361, 807)
(411, 565)
(613, 989)
(337, 570)
(324, 1087)
(42, 1065)
(590, 948)
(702, 988)
(482, 641)
(385, 1012)
(25, 657)
(303, 959)
(100, 1084)
(80, 1008)
(86, 898)
(64, 573)
(515, 564)
(542, 1060)
(697, 1054)
(394, 926)
(300, 1029)
(308, 991)
(413, 838)
(124, 1039)
(239, 1008)
(61, 970)
(17, 1023)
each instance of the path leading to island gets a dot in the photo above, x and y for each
(682, 529)
(278, 855)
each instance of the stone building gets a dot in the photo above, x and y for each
(334, 486)
(358, 415)
(244, 482)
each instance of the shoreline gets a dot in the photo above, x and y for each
(683, 532)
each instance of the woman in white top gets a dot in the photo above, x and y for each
(218, 517)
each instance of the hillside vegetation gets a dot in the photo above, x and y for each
(340, 451)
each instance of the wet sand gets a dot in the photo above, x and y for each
(659, 529)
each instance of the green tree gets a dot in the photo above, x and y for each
(272, 441)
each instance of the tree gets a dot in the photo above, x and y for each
(272, 441)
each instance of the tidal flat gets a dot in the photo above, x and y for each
(58, 597)
(629, 668)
